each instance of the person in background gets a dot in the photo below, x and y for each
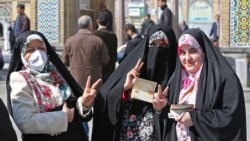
(146, 25)
(22, 23)
(103, 8)
(167, 15)
(1, 30)
(85, 53)
(7, 46)
(11, 35)
(133, 39)
(183, 26)
(215, 31)
(110, 39)
(205, 79)
(247, 59)
(116, 115)
(45, 101)
(1, 59)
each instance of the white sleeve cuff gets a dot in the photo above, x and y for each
(80, 108)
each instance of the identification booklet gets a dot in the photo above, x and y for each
(143, 90)
(177, 109)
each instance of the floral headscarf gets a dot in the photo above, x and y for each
(158, 35)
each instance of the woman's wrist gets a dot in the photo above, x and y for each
(85, 109)
(126, 88)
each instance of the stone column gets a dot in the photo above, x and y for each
(77, 14)
(184, 10)
(119, 20)
(175, 22)
(154, 10)
(33, 17)
(225, 23)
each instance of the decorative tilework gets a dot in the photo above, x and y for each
(48, 19)
(240, 23)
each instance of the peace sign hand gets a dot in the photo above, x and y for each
(160, 100)
(89, 94)
(132, 74)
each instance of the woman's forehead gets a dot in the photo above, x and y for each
(186, 47)
(159, 41)
(36, 41)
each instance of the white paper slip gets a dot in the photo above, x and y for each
(172, 115)
(143, 90)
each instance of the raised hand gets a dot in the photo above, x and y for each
(132, 74)
(89, 94)
(69, 112)
(160, 100)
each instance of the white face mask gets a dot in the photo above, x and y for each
(38, 60)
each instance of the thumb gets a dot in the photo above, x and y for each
(65, 105)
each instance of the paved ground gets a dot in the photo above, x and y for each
(3, 96)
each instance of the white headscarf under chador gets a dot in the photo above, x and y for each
(30, 38)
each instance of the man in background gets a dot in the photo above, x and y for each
(146, 25)
(103, 8)
(1, 30)
(167, 15)
(215, 31)
(133, 38)
(110, 39)
(22, 23)
(85, 53)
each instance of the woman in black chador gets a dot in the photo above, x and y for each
(116, 115)
(205, 79)
(44, 100)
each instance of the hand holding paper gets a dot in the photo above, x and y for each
(185, 119)
(180, 112)
(143, 90)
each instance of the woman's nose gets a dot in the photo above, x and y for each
(188, 56)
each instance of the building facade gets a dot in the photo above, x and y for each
(57, 19)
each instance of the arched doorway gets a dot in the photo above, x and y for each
(5, 13)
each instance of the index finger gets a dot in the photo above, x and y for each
(159, 90)
(139, 65)
(96, 83)
(88, 82)
(165, 91)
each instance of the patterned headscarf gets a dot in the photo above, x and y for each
(189, 40)
(158, 35)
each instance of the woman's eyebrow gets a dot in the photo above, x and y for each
(193, 48)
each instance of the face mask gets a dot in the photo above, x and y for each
(38, 60)
(158, 63)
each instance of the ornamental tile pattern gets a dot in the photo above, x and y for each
(48, 19)
(240, 23)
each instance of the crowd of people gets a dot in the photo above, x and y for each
(52, 97)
